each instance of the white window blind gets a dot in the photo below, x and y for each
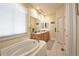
(12, 19)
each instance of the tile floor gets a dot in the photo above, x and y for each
(51, 48)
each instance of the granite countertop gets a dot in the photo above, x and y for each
(40, 32)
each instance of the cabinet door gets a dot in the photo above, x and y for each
(39, 36)
(46, 36)
(34, 36)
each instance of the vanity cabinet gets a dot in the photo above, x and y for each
(42, 36)
(46, 36)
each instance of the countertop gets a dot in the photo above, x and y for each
(40, 32)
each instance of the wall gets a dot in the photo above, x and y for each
(33, 22)
(14, 39)
(52, 26)
(78, 33)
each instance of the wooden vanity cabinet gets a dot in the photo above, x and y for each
(46, 36)
(41, 36)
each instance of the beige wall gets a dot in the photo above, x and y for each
(52, 27)
(78, 33)
(33, 22)
(60, 11)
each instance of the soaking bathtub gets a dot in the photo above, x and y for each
(29, 47)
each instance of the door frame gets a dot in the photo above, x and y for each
(70, 17)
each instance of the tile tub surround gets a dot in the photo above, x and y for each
(8, 42)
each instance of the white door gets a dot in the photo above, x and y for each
(60, 35)
(78, 35)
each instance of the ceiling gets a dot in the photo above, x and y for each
(48, 8)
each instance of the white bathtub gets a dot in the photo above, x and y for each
(28, 47)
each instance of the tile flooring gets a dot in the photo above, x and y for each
(51, 48)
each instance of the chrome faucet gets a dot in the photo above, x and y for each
(38, 40)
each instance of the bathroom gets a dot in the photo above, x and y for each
(33, 29)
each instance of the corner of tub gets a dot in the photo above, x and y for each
(0, 52)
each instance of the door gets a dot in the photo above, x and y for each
(60, 35)
(77, 35)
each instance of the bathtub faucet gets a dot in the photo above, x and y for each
(38, 40)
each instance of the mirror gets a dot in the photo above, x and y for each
(34, 24)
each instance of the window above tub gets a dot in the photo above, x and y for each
(13, 19)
